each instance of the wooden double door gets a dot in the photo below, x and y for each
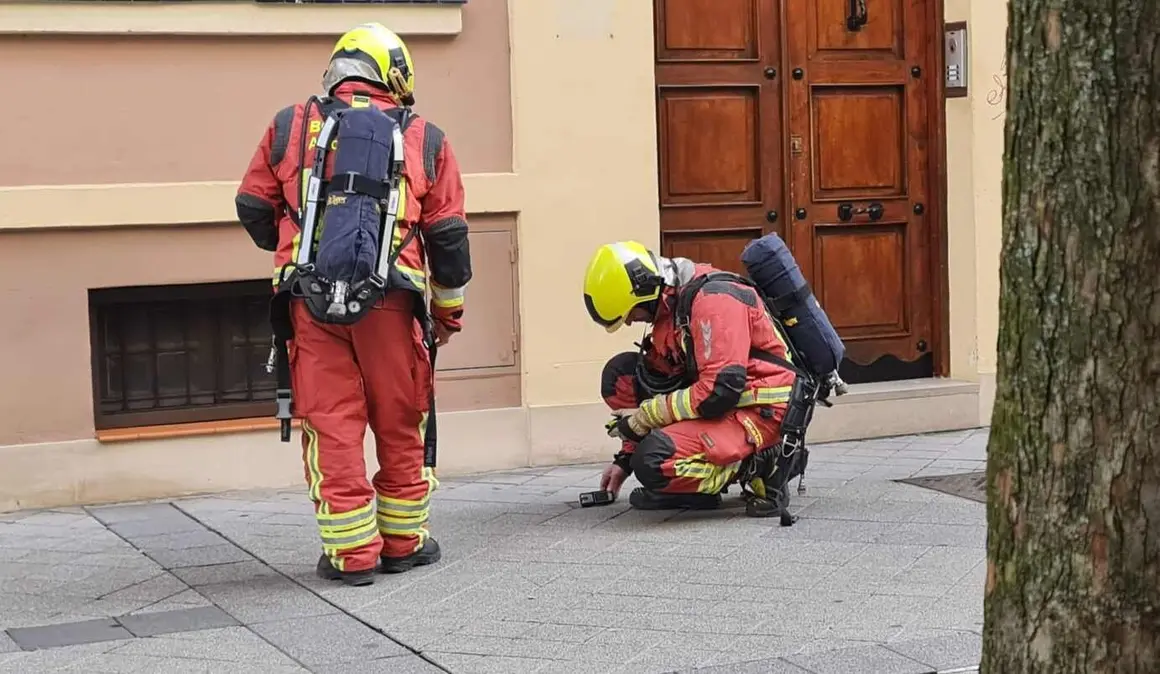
(812, 119)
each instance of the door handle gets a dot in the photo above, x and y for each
(846, 211)
(857, 16)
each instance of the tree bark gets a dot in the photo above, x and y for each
(1073, 496)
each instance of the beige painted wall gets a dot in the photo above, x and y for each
(974, 178)
(586, 154)
(192, 108)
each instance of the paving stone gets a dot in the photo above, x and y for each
(951, 651)
(266, 598)
(68, 634)
(331, 639)
(879, 617)
(181, 600)
(134, 597)
(222, 645)
(462, 663)
(665, 659)
(166, 522)
(136, 512)
(106, 582)
(229, 572)
(953, 535)
(7, 645)
(54, 659)
(872, 658)
(180, 540)
(399, 664)
(183, 620)
(514, 648)
(768, 666)
(214, 554)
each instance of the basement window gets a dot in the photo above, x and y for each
(180, 353)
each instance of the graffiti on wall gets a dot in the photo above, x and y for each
(997, 95)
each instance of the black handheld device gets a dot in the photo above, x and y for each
(596, 498)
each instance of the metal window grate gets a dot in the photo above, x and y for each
(174, 354)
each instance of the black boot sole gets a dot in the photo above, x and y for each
(400, 565)
(351, 578)
(675, 502)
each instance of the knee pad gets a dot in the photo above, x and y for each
(648, 457)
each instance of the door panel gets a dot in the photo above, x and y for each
(719, 126)
(870, 118)
(723, 248)
(858, 173)
(828, 32)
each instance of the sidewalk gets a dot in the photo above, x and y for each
(877, 577)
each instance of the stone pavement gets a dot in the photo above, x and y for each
(877, 577)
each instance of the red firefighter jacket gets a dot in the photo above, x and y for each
(268, 199)
(728, 324)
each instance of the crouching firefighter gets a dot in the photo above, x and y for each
(356, 196)
(714, 396)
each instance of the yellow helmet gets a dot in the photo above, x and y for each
(371, 53)
(620, 277)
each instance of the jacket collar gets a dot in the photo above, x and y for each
(348, 90)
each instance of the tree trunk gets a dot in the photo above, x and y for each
(1073, 497)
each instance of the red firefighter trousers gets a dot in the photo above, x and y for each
(697, 456)
(374, 372)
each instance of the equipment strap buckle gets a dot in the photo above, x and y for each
(284, 398)
(350, 182)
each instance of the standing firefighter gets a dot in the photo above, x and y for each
(356, 196)
(689, 412)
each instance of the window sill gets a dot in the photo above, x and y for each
(201, 428)
(223, 18)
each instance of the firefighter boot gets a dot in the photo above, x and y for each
(646, 499)
(428, 554)
(327, 571)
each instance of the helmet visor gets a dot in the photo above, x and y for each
(610, 324)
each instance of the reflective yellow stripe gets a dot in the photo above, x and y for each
(402, 200)
(417, 277)
(345, 519)
(347, 530)
(754, 434)
(711, 476)
(684, 404)
(310, 457)
(764, 396)
(663, 410)
(356, 538)
(401, 517)
(447, 297)
(652, 415)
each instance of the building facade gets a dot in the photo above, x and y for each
(134, 329)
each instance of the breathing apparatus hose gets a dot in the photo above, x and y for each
(651, 382)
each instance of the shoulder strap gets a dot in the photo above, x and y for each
(684, 305)
(282, 122)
